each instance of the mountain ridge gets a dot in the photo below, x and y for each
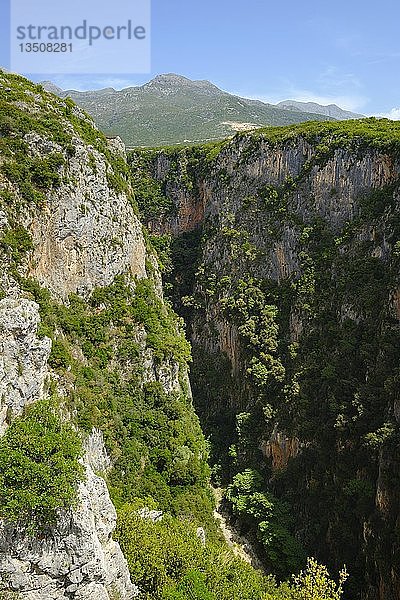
(330, 110)
(171, 109)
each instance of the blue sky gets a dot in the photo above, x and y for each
(346, 52)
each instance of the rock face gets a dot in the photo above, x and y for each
(70, 237)
(87, 233)
(78, 559)
(23, 358)
(310, 226)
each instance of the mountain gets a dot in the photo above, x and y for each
(171, 109)
(330, 110)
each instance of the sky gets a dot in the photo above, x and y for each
(345, 52)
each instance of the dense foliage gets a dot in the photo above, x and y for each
(355, 134)
(169, 562)
(39, 468)
(153, 437)
(307, 390)
(271, 518)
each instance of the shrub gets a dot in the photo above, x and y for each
(17, 242)
(39, 468)
(168, 562)
(315, 584)
(59, 356)
(270, 518)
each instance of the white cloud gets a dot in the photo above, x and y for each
(393, 114)
(333, 78)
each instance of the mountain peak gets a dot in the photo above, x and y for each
(172, 83)
(168, 79)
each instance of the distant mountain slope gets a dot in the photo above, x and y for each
(172, 109)
(330, 110)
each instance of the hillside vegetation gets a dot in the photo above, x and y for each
(281, 250)
(118, 365)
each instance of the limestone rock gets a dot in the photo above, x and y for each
(77, 559)
(87, 233)
(23, 357)
(95, 452)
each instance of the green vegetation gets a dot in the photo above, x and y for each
(167, 556)
(184, 166)
(331, 388)
(149, 194)
(270, 517)
(299, 300)
(154, 438)
(168, 562)
(314, 583)
(162, 246)
(16, 242)
(356, 135)
(39, 468)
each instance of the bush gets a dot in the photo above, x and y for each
(168, 562)
(192, 587)
(270, 518)
(59, 356)
(39, 468)
(315, 584)
(17, 242)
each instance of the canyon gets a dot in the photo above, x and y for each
(276, 254)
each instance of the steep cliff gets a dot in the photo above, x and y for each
(83, 322)
(292, 306)
(280, 249)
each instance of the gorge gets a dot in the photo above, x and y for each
(293, 314)
(279, 250)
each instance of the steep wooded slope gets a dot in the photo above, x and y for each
(283, 254)
(96, 414)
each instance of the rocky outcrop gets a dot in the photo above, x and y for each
(78, 559)
(280, 449)
(87, 233)
(23, 358)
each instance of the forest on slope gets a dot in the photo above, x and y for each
(281, 250)
(95, 400)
